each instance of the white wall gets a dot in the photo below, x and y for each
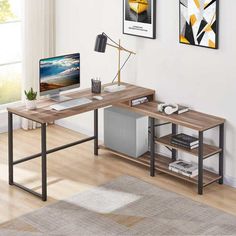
(204, 79)
(77, 25)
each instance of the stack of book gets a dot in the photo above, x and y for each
(184, 168)
(185, 140)
(139, 101)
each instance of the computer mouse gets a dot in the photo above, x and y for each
(99, 98)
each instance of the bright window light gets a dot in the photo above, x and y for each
(10, 50)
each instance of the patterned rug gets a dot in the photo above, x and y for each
(125, 206)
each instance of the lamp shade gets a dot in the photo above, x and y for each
(101, 43)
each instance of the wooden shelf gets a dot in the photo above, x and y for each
(192, 119)
(162, 165)
(208, 150)
(197, 121)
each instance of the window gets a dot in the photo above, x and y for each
(10, 50)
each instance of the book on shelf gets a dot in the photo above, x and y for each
(183, 167)
(185, 145)
(183, 173)
(185, 139)
(139, 101)
(182, 109)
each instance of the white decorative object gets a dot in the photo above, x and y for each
(30, 104)
(167, 108)
(114, 88)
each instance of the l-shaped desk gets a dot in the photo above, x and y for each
(194, 120)
(44, 115)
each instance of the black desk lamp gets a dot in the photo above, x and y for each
(100, 46)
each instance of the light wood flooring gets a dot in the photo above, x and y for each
(76, 169)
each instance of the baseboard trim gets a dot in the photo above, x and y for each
(231, 181)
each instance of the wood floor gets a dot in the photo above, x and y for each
(76, 169)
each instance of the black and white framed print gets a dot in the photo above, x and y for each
(139, 18)
(199, 20)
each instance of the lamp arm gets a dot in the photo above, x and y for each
(127, 59)
(117, 45)
(121, 48)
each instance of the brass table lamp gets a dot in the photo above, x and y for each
(100, 46)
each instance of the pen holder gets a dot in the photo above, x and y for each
(96, 86)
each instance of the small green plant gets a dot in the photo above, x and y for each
(31, 95)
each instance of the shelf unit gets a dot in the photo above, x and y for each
(194, 120)
(208, 150)
(162, 165)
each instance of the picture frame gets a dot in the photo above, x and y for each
(139, 18)
(199, 23)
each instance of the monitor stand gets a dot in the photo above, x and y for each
(59, 98)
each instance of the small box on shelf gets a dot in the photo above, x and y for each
(139, 101)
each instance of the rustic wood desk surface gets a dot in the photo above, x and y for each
(191, 119)
(44, 114)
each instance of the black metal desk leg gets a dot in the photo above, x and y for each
(96, 132)
(221, 155)
(174, 151)
(44, 161)
(152, 146)
(200, 164)
(10, 147)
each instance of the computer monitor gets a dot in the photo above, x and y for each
(59, 74)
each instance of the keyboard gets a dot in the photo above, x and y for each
(70, 104)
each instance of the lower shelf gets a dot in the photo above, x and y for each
(162, 165)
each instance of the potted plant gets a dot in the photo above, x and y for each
(30, 102)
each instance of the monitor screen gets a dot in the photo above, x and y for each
(59, 73)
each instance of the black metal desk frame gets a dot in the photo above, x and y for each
(42, 154)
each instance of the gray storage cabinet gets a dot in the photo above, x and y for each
(125, 132)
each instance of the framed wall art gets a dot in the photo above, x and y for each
(199, 23)
(139, 18)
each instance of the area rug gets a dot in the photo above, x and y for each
(125, 206)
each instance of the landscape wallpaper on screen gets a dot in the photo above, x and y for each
(59, 72)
